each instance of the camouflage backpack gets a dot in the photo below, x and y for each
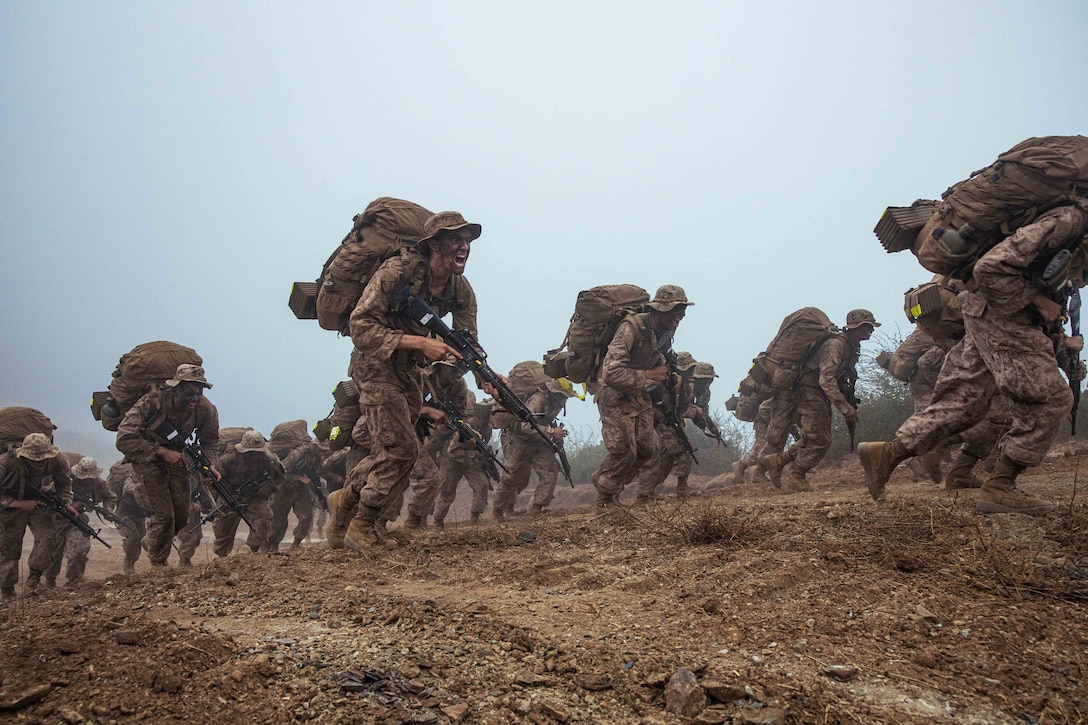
(16, 422)
(598, 311)
(380, 232)
(137, 372)
(288, 436)
(800, 333)
(1035, 176)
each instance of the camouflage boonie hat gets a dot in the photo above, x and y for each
(448, 221)
(36, 447)
(87, 468)
(704, 370)
(859, 317)
(187, 373)
(669, 296)
(252, 441)
(684, 361)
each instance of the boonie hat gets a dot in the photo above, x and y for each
(448, 221)
(684, 361)
(669, 296)
(87, 468)
(704, 370)
(252, 441)
(857, 318)
(36, 447)
(187, 373)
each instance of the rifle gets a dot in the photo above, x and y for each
(197, 462)
(709, 428)
(466, 345)
(102, 512)
(666, 401)
(465, 432)
(56, 504)
(1072, 359)
(245, 492)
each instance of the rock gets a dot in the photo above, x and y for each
(724, 691)
(766, 716)
(926, 616)
(455, 713)
(69, 716)
(713, 715)
(554, 712)
(842, 673)
(530, 679)
(594, 682)
(126, 636)
(683, 696)
(167, 683)
(21, 699)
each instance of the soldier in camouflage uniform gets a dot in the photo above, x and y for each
(385, 366)
(459, 460)
(827, 371)
(131, 518)
(242, 465)
(669, 453)
(632, 363)
(524, 451)
(296, 493)
(1005, 350)
(71, 543)
(190, 537)
(38, 463)
(162, 480)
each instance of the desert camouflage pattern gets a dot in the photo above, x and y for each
(14, 523)
(71, 545)
(524, 451)
(236, 469)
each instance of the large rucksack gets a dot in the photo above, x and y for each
(377, 234)
(1035, 176)
(800, 333)
(137, 372)
(597, 313)
(17, 422)
(288, 436)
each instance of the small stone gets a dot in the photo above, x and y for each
(530, 679)
(25, 697)
(594, 682)
(455, 713)
(554, 712)
(167, 683)
(683, 696)
(926, 616)
(126, 636)
(724, 691)
(69, 716)
(766, 716)
(713, 715)
(842, 673)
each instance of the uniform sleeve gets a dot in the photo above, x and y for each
(62, 478)
(464, 317)
(372, 328)
(538, 406)
(208, 431)
(7, 465)
(104, 494)
(1000, 272)
(130, 438)
(616, 370)
(833, 356)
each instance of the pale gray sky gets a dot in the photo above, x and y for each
(170, 168)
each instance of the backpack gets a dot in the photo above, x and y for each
(288, 436)
(598, 311)
(229, 437)
(935, 308)
(137, 372)
(801, 332)
(17, 422)
(384, 227)
(1035, 176)
(526, 378)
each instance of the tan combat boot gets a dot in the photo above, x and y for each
(931, 464)
(474, 518)
(362, 531)
(413, 523)
(604, 500)
(498, 515)
(774, 464)
(796, 480)
(682, 490)
(879, 459)
(999, 495)
(759, 475)
(959, 475)
(341, 508)
(737, 476)
(33, 581)
(536, 510)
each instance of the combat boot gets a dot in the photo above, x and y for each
(187, 561)
(536, 510)
(959, 475)
(50, 583)
(296, 544)
(682, 487)
(7, 593)
(362, 531)
(604, 500)
(33, 581)
(128, 566)
(737, 476)
(342, 506)
(498, 515)
(796, 480)
(440, 523)
(774, 464)
(879, 459)
(474, 518)
(759, 475)
(413, 523)
(931, 464)
(999, 495)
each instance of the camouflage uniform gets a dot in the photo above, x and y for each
(524, 451)
(241, 463)
(38, 463)
(71, 543)
(190, 537)
(670, 453)
(295, 494)
(1006, 351)
(122, 482)
(388, 379)
(163, 490)
(458, 459)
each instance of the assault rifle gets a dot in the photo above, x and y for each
(103, 513)
(1070, 360)
(245, 493)
(197, 462)
(665, 399)
(56, 504)
(465, 432)
(466, 345)
(709, 428)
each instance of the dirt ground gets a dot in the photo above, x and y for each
(740, 605)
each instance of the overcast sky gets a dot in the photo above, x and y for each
(169, 169)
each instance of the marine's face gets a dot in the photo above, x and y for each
(451, 250)
(189, 394)
(671, 319)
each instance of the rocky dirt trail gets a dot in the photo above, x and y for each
(740, 605)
